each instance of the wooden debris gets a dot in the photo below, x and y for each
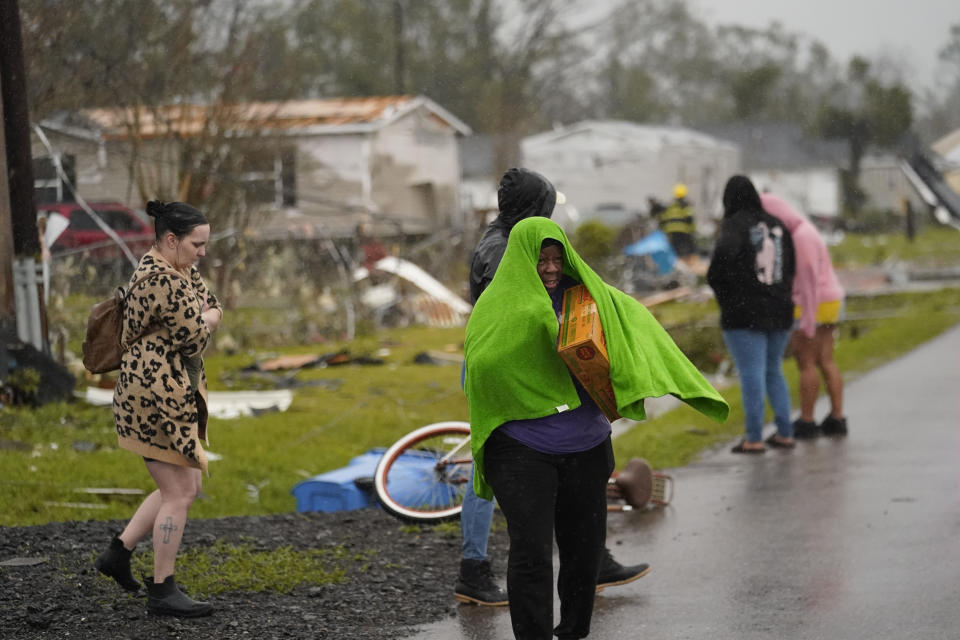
(104, 491)
(75, 505)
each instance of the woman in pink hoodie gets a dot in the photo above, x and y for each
(818, 297)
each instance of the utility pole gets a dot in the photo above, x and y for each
(16, 123)
(19, 186)
(8, 312)
(398, 49)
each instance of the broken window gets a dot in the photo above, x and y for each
(269, 177)
(47, 183)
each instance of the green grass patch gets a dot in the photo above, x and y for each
(224, 567)
(71, 446)
(51, 453)
(933, 246)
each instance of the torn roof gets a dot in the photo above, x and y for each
(949, 147)
(313, 116)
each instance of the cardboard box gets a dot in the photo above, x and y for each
(584, 349)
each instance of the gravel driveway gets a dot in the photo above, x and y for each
(406, 579)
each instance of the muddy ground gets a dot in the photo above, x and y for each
(406, 580)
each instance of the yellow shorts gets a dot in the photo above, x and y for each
(827, 312)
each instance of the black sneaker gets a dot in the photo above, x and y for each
(805, 429)
(476, 585)
(612, 573)
(834, 426)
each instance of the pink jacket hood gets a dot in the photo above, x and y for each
(777, 206)
(815, 281)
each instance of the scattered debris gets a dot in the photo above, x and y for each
(666, 296)
(365, 360)
(34, 377)
(110, 491)
(22, 562)
(290, 362)
(637, 486)
(436, 306)
(427, 310)
(220, 404)
(15, 445)
(277, 380)
(75, 505)
(438, 357)
(297, 362)
(253, 490)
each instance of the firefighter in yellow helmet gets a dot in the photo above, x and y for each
(677, 222)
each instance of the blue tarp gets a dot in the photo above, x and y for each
(337, 490)
(411, 481)
(657, 246)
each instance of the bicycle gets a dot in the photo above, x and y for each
(423, 476)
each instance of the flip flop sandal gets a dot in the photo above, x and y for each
(741, 449)
(777, 444)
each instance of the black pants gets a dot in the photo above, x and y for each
(542, 495)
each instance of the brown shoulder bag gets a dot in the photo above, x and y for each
(102, 346)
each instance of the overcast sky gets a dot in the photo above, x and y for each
(910, 30)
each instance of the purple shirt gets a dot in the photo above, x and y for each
(572, 431)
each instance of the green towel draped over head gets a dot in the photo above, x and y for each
(513, 370)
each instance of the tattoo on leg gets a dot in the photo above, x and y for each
(168, 527)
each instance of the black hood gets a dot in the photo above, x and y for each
(740, 194)
(524, 194)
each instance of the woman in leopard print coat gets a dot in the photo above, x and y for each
(159, 402)
(160, 411)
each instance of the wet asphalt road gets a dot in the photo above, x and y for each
(840, 538)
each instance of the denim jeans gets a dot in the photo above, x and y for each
(475, 518)
(476, 515)
(758, 356)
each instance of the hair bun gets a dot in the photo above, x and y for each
(156, 208)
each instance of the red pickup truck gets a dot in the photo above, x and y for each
(84, 235)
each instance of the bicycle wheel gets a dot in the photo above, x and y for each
(424, 475)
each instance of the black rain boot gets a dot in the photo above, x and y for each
(165, 599)
(476, 584)
(115, 563)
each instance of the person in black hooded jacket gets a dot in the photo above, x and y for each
(521, 194)
(751, 274)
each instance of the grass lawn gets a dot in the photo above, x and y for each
(934, 246)
(51, 453)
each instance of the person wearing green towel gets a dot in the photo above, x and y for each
(521, 194)
(540, 443)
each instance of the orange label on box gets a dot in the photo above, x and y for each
(583, 348)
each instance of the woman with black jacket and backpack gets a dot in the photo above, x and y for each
(751, 274)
